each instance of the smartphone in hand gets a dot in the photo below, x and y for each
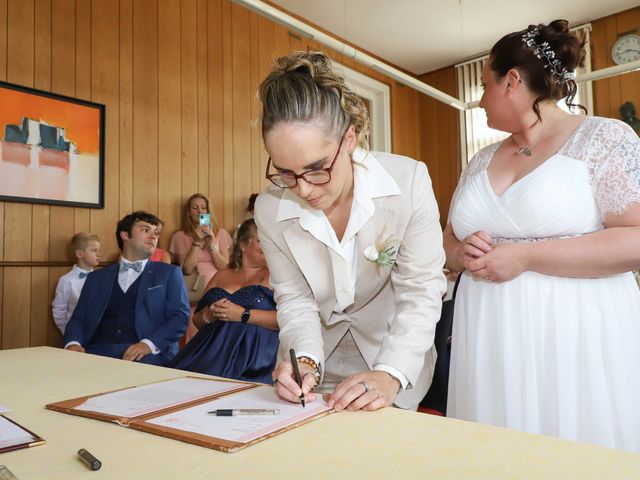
(205, 220)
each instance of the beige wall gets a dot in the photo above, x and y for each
(178, 79)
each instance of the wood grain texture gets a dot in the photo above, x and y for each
(178, 78)
(610, 93)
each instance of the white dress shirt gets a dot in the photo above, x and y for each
(371, 181)
(67, 295)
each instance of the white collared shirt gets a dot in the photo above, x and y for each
(126, 278)
(370, 181)
(67, 295)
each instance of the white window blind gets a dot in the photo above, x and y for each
(473, 122)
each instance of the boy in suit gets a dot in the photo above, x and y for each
(136, 309)
(85, 248)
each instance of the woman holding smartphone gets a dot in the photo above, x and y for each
(200, 247)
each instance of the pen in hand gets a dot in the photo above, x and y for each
(296, 373)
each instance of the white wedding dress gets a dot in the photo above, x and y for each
(551, 355)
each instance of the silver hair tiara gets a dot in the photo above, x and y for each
(544, 52)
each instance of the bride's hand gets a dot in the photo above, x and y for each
(476, 245)
(504, 262)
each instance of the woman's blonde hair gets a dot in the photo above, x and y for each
(187, 225)
(303, 87)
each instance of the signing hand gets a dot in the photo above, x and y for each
(365, 391)
(287, 388)
(226, 311)
(75, 348)
(136, 351)
(504, 262)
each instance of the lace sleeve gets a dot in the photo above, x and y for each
(613, 161)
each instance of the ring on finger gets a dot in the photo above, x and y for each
(366, 387)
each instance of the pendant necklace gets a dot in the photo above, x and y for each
(527, 150)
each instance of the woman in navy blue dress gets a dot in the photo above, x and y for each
(236, 318)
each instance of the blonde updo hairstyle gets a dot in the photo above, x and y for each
(303, 87)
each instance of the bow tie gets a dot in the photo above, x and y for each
(83, 275)
(137, 266)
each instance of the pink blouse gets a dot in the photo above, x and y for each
(181, 243)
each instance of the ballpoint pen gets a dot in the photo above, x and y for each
(296, 373)
(232, 412)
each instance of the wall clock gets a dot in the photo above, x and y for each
(626, 49)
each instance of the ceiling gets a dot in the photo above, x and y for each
(423, 35)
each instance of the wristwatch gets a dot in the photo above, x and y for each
(245, 315)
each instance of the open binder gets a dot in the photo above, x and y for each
(14, 436)
(178, 409)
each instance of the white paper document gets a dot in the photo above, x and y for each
(11, 434)
(241, 428)
(136, 401)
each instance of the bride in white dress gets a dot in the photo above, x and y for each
(545, 224)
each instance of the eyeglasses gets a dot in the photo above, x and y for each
(321, 176)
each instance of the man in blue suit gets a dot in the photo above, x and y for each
(137, 309)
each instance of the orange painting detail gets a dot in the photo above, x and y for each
(81, 123)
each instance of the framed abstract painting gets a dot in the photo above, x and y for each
(51, 148)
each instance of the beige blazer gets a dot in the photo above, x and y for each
(395, 310)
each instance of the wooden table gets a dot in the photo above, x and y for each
(388, 444)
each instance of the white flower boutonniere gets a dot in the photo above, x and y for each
(384, 252)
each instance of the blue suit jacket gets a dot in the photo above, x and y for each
(162, 306)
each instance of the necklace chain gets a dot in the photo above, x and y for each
(527, 150)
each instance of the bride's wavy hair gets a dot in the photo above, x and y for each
(512, 52)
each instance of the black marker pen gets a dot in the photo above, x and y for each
(92, 462)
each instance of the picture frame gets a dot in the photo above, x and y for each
(51, 148)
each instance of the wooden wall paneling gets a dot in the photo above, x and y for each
(242, 93)
(40, 307)
(105, 84)
(216, 106)
(40, 315)
(16, 307)
(42, 80)
(225, 209)
(599, 54)
(145, 105)
(20, 70)
(202, 98)
(614, 85)
(123, 157)
(281, 41)
(189, 95)
(18, 217)
(169, 117)
(63, 81)
(255, 79)
(82, 220)
(630, 82)
(266, 45)
(54, 337)
(4, 27)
